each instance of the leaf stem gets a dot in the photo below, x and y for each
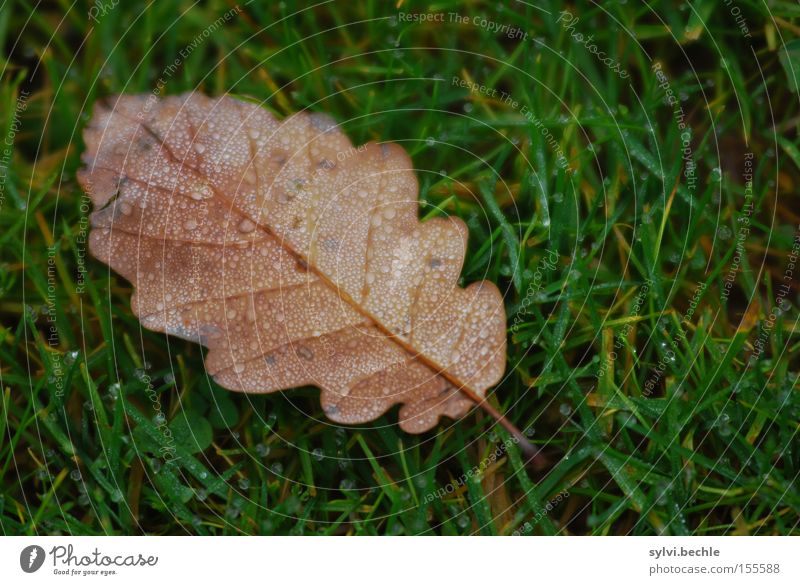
(532, 454)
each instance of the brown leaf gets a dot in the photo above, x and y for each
(295, 257)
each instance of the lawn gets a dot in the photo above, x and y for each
(629, 174)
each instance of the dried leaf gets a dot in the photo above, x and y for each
(295, 257)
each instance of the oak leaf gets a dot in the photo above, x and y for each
(293, 256)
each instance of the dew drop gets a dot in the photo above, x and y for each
(305, 353)
(201, 193)
(246, 226)
(113, 390)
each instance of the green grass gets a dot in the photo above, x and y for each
(684, 433)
